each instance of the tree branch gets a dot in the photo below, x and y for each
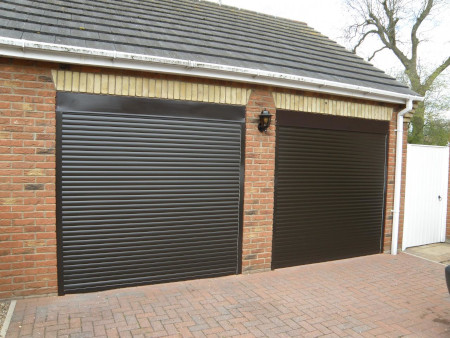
(430, 79)
(361, 40)
(376, 52)
(389, 40)
(392, 34)
(414, 40)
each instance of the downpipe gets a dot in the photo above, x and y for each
(398, 175)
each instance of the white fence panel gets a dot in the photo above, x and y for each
(425, 195)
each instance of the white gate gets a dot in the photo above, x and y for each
(425, 195)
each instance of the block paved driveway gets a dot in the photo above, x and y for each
(380, 295)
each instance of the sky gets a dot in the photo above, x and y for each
(329, 17)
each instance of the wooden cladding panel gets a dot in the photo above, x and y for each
(110, 84)
(319, 105)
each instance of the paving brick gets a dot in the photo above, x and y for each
(380, 295)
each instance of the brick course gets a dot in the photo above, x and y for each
(27, 179)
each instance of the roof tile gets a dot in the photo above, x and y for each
(192, 30)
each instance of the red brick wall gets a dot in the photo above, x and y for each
(391, 183)
(27, 180)
(259, 185)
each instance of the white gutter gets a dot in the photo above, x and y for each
(398, 175)
(112, 59)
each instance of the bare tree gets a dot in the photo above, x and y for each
(387, 20)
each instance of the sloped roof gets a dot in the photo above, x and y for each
(192, 30)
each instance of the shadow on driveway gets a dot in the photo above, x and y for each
(379, 295)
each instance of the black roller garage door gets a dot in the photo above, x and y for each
(330, 188)
(148, 191)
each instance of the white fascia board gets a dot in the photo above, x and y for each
(111, 59)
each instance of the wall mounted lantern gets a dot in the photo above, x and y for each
(264, 120)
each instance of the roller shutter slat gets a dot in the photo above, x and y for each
(329, 194)
(149, 197)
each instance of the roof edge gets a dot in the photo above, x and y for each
(43, 51)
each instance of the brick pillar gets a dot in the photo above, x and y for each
(27, 180)
(390, 184)
(259, 185)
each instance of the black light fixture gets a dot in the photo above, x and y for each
(264, 120)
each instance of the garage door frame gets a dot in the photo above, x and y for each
(290, 118)
(91, 103)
